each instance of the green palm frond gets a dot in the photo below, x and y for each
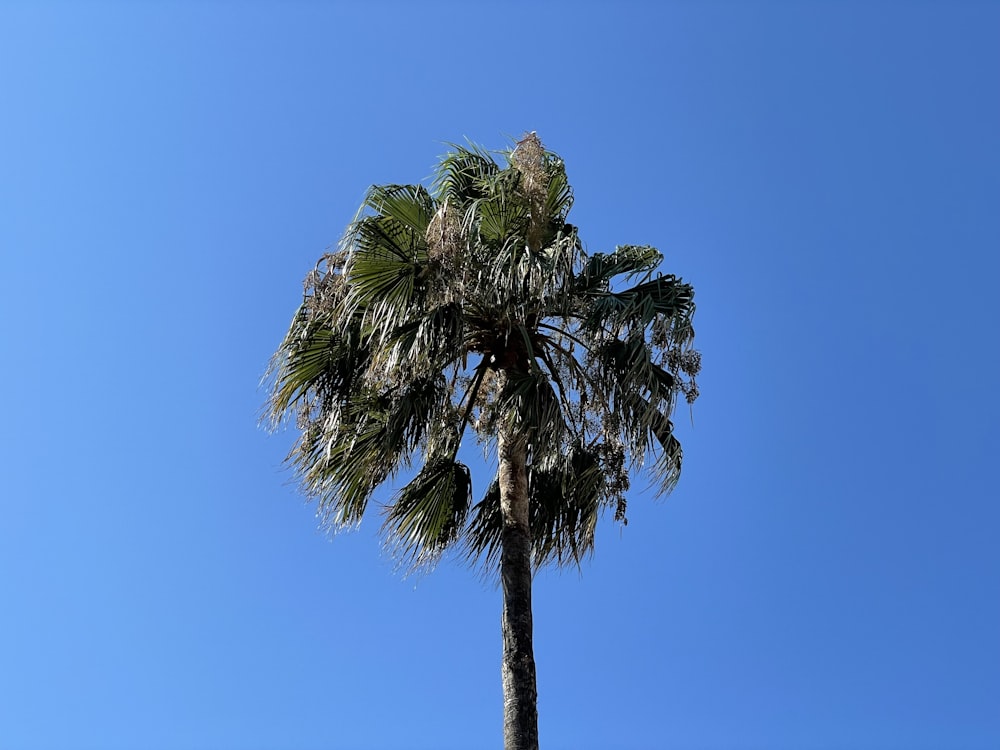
(343, 467)
(429, 513)
(428, 343)
(626, 260)
(529, 406)
(410, 206)
(637, 307)
(628, 368)
(559, 200)
(411, 408)
(668, 464)
(483, 538)
(503, 220)
(463, 174)
(568, 492)
(386, 250)
(315, 361)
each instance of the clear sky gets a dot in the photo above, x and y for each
(827, 176)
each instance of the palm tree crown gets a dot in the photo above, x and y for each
(472, 308)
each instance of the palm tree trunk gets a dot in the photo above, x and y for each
(520, 694)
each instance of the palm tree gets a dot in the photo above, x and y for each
(472, 308)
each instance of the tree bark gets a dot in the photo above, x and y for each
(520, 693)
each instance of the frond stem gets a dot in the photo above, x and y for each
(544, 356)
(561, 332)
(481, 369)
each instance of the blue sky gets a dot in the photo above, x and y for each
(827, 175)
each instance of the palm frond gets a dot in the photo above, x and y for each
(426, 343)
(529, 406)
(409, 205)
(628, 368)
(627, 260)
(463, 174)
(315, 362)
(667, 469)
(567, 494)
(383, 273)
(411, 408)
(503, 220)
(429, 513)
(343, 466)
(559, 199)
(484, 535)
(636, 308)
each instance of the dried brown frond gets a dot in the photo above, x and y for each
(324, 287)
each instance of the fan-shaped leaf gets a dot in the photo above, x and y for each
(428, 514)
